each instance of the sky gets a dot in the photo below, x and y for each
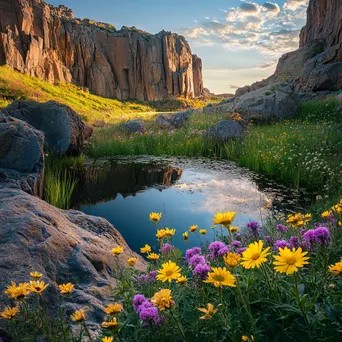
(239, 41)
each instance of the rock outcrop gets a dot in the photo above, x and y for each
(63, 128)
(224, 131)
(48, 42)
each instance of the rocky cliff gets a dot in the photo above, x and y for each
(48, 42)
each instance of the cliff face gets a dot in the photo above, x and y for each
(48, 42)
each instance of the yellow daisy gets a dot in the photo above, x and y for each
(233, 229)
(225, 218)
(169, 232)
(9, 312)
(220, 277)
(254, 256)
(132, 261)
(336, 269)
(326, 214)
(203, 231)
(288, 261)
(153, 256)
(155, 217)
(209, 312)
(112, 309)
(186, 236)
(169, 271)
(38, 286)
(117, 250)
(17, 292)
(145, 249)
(232, 259)
(193, 228)
(65, 288)
(161, 234)
(112, 324)
(36, 275)
(78, 316)
(182, 280)
(163, 299)
(107, 339)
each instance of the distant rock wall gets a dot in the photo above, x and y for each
(48, 42)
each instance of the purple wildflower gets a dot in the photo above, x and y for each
(143, 278)
(281, 244)
(253, 226)
(149, 315)
(268, 239)
(294, 242)
(196, 259)
(281, 228)
(240, 250)
(191, 252)
(166, 248)
(238, 236)
(322, 236)
(153, 275)
(236, 244)
(138, 300)
(201, 270)
(217, 248)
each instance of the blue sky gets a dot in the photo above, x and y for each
(238, 41)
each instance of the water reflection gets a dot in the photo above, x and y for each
(187, 191)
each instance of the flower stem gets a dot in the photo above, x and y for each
(87, 331)
(178, 325)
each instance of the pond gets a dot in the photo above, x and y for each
(187, 192)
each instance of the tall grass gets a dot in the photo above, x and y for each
(60, 180)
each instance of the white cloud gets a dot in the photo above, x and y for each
(296, 4)
(271, 7)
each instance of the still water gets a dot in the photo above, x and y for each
(187, 192)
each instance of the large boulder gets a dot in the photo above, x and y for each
(224, 131)
(167, 121)
(66, 246)
(64, 130)
(133, 126)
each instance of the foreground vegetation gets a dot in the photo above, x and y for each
(279, 282)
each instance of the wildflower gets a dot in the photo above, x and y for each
(220, 277)
(107, 339)
(65, 289)
(281, 228)
(153, 275)
(113, 309)
(307, 217)
(153, 256)
(254, 256)
(163, 299)
(185, 236)
(149, 314)
(288, 261)
(170, 232)
(166, 248)
(38, 286)
(36, 275)
(294, 242)
(78, 316)
(253, 226)
(155, 217)
(281, 244)
(9, 312)
(117, 250)
(296, 220)
(233, 229)
(209, 312)
(322, 236)
(201, 270)
(193, 228)
(196, 259)
(111, 324)
(137, 301)
(240, 250)
(203, 231)
(225, 218)
(168, 272)
(132, 261)
(326, 214)
(143, 278)
(191, 252)
(182, 280)
(236, 243)
(217, 248)
(336, 269)
(145, 249)
(232, 259)
(161, 234)
(246, 338)
(17, 292)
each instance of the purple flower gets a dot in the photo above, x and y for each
(253, 226)
(196, 259)
(268, 239)
(294, 242)
(166, 248)
(217, 248)
(281, 228)
(143, 278)
(236, 243)
(281, 244)
(153, 275)
(240, 250)
(238, 236)
(191, 252)
(201, 270)
(322, 236)
(309, 238)
(138, 300)
(149, 314)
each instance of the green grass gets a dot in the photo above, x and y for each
(93, 109)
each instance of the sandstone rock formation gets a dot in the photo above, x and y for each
(64, 130)
(48, 42)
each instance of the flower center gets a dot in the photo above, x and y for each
(169, 272)
(291, 260)
(255, 256)
(219, 278)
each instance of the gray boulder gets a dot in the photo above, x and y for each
(133, 126)
(163, 121)
(64, 130)
(225, 130)
(168, 121)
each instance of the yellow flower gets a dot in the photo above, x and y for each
(307, 217)
(153, 256)
(336, 269)
(254, 256)
(38, 286)
(326, 214)
(337, 208)
(155, 217)
(246, 338)
(225, 218)
(234, 229)
(107, 339)
(288, 261)
(65, 289)
(110, 324)
(161, 234)
(193, 228)
(170, 232)
(145, 249)
(117, 250)
(17, 292)
(168, 272)
(296, 220)
(78, 316)
(9, 312)
(36, 275)
(112, 309)
(182, 280)
(132, 261)
(232, 259)
(163, 299)
(203, 231)
(209, 312)
(220, 277)
(185, 235)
